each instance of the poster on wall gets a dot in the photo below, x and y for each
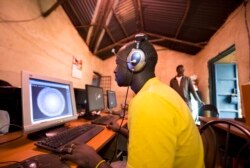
(77, 68)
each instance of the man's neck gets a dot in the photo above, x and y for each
(179, 75)
(139, 81)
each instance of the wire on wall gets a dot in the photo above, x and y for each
(16, 21)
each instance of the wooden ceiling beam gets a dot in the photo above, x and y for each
(138, 8)
(120, 24)
(98, 19)
(73, 9)
(183, 19)
(160, 38)
(107, 18)
(119, 43)
(164, 38)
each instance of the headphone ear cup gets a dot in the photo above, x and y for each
(136, 60)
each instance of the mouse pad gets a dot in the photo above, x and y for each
(43, 161)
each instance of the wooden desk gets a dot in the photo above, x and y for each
(24, 148)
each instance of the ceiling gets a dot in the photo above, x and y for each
(181, 25)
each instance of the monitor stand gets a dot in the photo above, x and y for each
(106, 110)
(111, 111)
(90, 116)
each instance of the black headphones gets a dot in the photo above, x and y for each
(136, 60)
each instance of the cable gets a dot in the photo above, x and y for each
(16, 21)
(123, 116)
(118, 132)
(16, 138)
(10, 163)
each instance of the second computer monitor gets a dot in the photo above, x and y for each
(81, 99)
(95, 98)
(111, 99)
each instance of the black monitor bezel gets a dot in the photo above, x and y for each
(108, 99)
(88, 110)
(80, 99)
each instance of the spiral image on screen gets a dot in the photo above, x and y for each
(51, 102)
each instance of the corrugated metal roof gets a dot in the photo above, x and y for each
(182, 25)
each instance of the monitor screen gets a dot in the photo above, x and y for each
(47, 102)
(95, 98)
(81, 99)
(96, 80)
(111, 99)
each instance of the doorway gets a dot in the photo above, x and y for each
(223, 84)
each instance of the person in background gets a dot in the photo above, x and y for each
(195, 104)
(183, 85)
(161, 131)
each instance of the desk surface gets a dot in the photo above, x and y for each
(24, 148)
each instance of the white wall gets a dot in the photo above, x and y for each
(41, 45)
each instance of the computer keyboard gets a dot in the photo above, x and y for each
(105, 119)
(79, 134)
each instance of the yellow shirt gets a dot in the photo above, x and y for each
(162, 132)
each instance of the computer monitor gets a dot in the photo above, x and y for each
(96, 80)
(81, 100)
(111, 99)
(95, 100)
(47, 102)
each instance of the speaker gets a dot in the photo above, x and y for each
(80, 99)
(10, 101)
(136, 60)
(4, 122)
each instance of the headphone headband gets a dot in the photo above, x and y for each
(141, 37)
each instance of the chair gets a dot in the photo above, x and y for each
(208, 110)
(243, 156)
(226, 144)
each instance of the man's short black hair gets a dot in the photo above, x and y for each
(179, 66)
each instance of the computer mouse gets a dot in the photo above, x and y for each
(30, 163)
(44, 161)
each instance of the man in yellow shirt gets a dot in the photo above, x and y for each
(161, 130)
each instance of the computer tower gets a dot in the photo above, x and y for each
(10, 101)
(80, 99)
